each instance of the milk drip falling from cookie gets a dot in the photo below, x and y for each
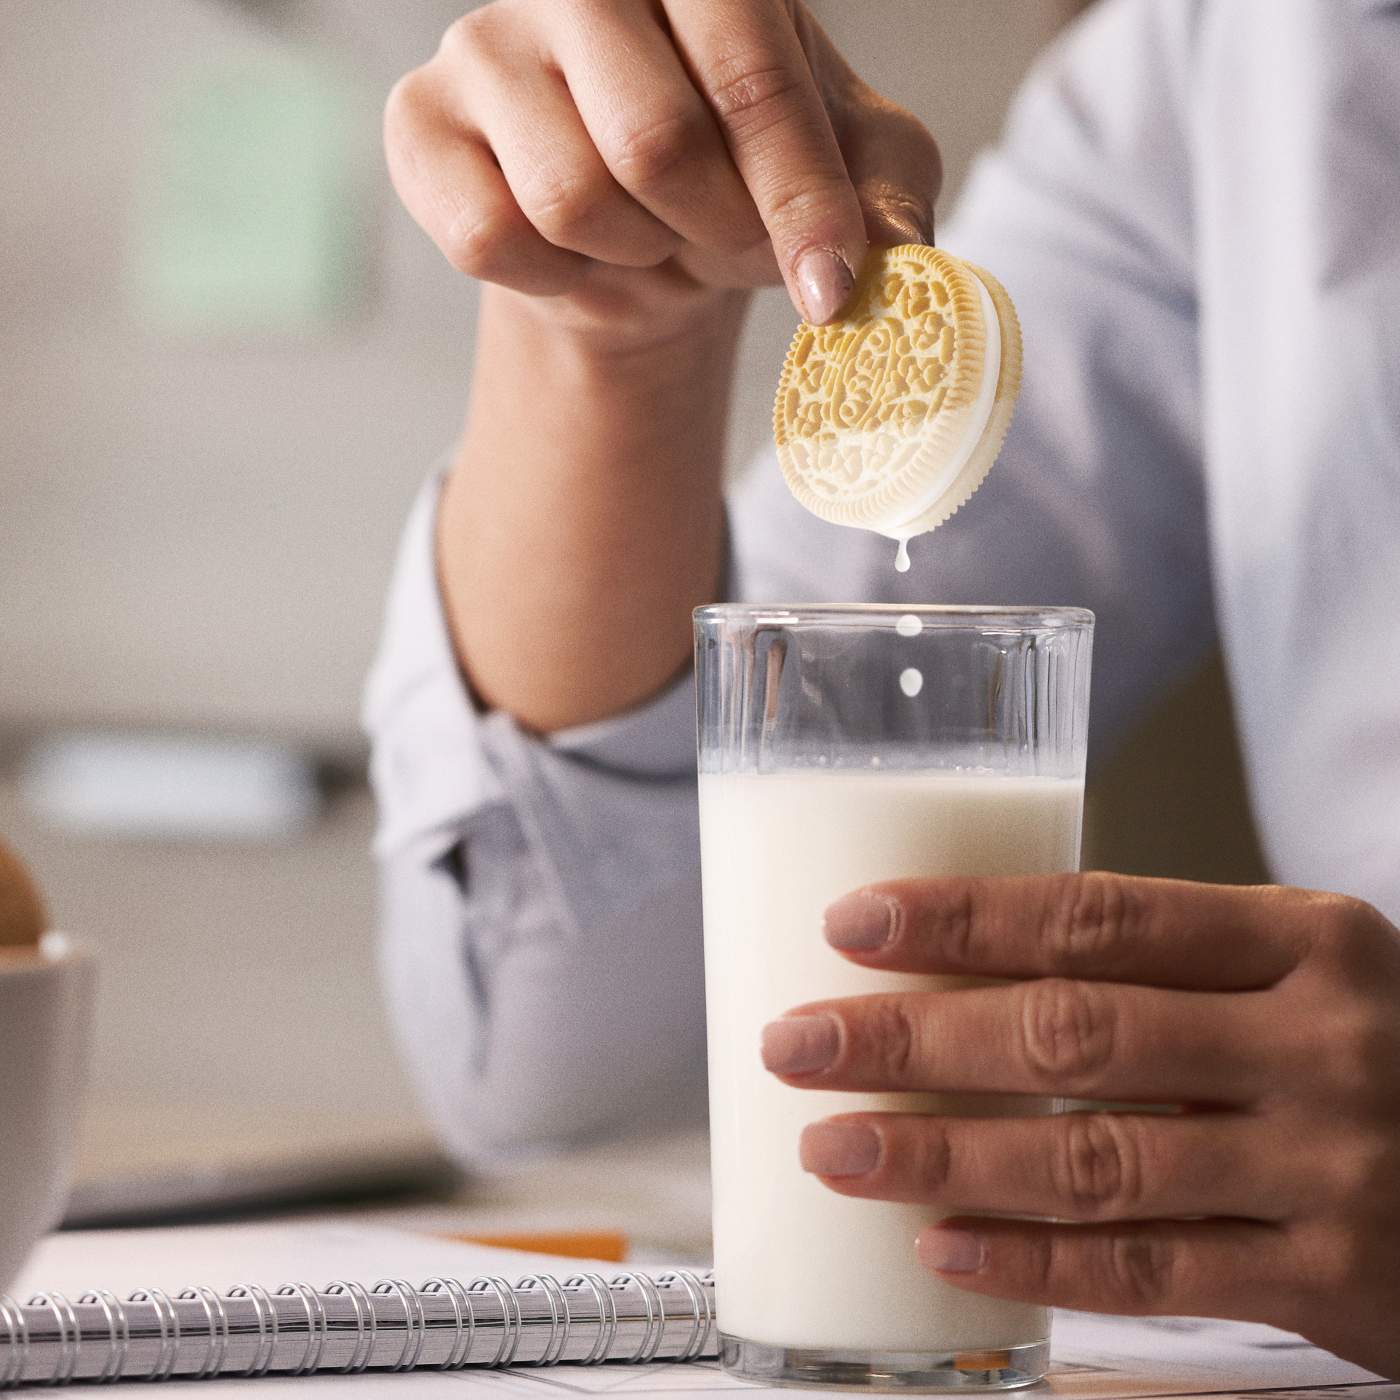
(889, 419)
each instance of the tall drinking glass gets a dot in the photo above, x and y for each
(840, 746)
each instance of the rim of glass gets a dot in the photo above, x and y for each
(949, 615)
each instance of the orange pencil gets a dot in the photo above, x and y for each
(608, 1245)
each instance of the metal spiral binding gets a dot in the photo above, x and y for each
(415, 1325)
(299, 1330)
(607, 1315)
(656, 1315)
(366, 1323)
(267, 1327)
(701, 1310)
(169, 1322)
(118, 1333)
(511, 1321)
(461, 1303)
(70, 1335)
(558, 1304)
(18, 1332)
(315, 1324)
(216, 1315)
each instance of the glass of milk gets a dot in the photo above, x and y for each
(840, 746)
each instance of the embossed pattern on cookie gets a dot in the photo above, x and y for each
(890, 418)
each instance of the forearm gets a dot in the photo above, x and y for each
(583, 519)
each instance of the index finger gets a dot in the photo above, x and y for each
(747, 61)
(1097, 927)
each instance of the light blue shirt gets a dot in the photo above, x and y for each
(1196, 208)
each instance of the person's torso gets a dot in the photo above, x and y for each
(1296, 216)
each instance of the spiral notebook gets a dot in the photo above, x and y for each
(442, 1324)
(479, 1310)
(650, 1334)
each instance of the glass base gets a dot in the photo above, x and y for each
(1007, 1368)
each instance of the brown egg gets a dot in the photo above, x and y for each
(22, 918)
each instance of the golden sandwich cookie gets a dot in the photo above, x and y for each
(889, 419)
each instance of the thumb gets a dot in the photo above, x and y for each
(897, 170)
(891, 158)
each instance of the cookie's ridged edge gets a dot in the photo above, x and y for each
(965, 375)
(980, 464)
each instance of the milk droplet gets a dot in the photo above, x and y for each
(901, 558)
(911, 681)
(909, 626)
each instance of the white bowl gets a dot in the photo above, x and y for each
(46, 1012)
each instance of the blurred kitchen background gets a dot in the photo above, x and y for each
(229, 360)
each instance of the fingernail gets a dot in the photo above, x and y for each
(838, 1149)
(860, 922)
(951, 1251)
(824, 282)
(799, 1044)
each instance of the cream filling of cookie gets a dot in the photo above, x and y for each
(975, 419)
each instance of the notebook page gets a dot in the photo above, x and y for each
(267, 1253)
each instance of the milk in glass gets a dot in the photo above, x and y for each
(799, 1265)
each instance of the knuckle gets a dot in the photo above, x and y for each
(563, 208)
(650, 153)
(406, 99)
(1364, 1049)
(753, 93)
(950, 925)
(930, 1160)
(1045, 1262)
(1348, 930)
(1368, 1171)
(470, 33)
(893, 1040)
(1067, 1033)
(475, 243)
(1141, 1269)
(1344, 1258)
(1090, 920)
(1317, 1274)
(816, 197)
(1098, 1167)
(407, 111)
